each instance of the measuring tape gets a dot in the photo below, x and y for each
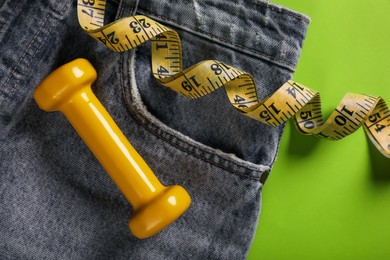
(291, 99)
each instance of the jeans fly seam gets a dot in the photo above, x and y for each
(22, 58)
(237, 47)
(143, 121)
(24, 54)
(14, 88)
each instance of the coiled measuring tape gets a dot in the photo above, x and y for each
(291, 99)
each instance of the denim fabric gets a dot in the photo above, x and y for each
(56, 201)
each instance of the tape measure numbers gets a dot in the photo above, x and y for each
(291, 99)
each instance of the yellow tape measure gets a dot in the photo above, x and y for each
(291, 99)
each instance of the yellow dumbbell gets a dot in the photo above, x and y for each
(68, 89)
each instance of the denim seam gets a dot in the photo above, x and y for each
(282, 10)
(236, 47)
(14, 88)
(121, 8)
(171, 140)
(146, 123)
(24, 55)
(124, 7)
(279, 139)
(272, 6)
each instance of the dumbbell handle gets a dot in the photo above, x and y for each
(104, 138)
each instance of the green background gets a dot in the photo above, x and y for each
(326, 199)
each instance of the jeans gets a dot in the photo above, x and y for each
(56, 201)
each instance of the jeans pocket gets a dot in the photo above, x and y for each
(225, 190)
(220, 156)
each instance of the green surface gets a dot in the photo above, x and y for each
(325, 199)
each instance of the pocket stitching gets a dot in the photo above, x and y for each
(237, 47)
(141, 114)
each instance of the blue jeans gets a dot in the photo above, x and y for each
(56, 201)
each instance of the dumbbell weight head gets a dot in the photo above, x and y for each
(63, 82)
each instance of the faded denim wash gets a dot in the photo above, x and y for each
(56, 201)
